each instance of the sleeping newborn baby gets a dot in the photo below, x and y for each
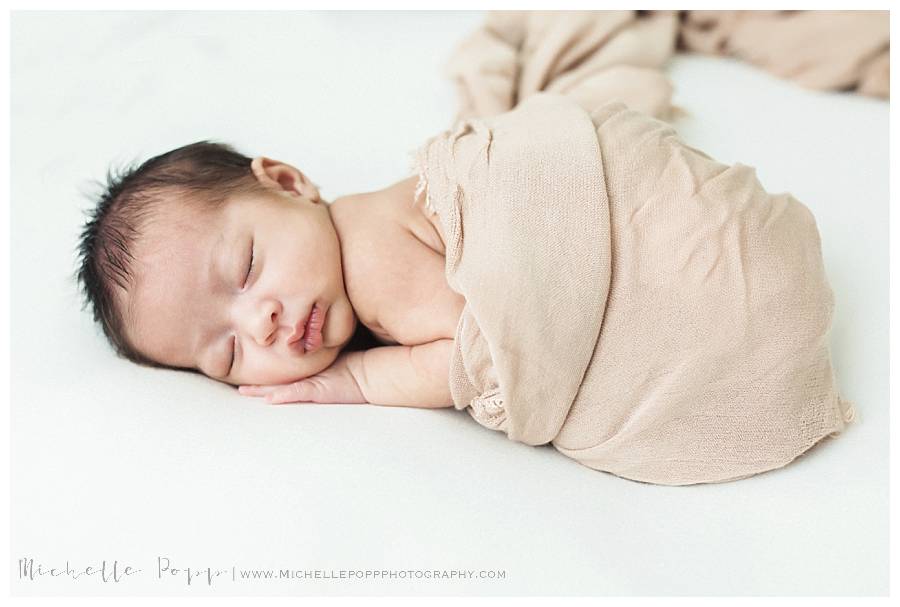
(573, 277)
(205, 260)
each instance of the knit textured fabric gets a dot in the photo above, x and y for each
(595, 57)
(649, 311)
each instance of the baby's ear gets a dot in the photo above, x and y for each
(283, 177)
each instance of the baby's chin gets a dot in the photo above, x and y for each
(322, 361)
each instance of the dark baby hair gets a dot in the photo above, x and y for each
(201, 175)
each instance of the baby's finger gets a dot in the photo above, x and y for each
(296, 392)
(255, 390)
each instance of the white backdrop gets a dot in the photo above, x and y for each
(117, 462)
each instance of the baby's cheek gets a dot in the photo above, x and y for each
(281, 370)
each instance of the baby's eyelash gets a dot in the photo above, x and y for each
(231, 366)
(252, 263)
(246, 280)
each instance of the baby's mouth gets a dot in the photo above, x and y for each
(312, 332)
(301, 331)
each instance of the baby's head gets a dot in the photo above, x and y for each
(165, 262)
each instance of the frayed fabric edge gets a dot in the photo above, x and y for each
(419, 165)
(420, 157)
(848, 410)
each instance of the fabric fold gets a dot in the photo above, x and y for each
(596, 57)
(649, 311)
(483, 175)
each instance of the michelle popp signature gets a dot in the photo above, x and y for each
(115, 571)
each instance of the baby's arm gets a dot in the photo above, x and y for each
(412, 376)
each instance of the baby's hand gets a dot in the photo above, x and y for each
(336, 384)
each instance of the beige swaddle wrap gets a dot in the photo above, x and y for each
(595, 57)
(649, 311)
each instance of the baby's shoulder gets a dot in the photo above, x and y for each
(407, 297)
